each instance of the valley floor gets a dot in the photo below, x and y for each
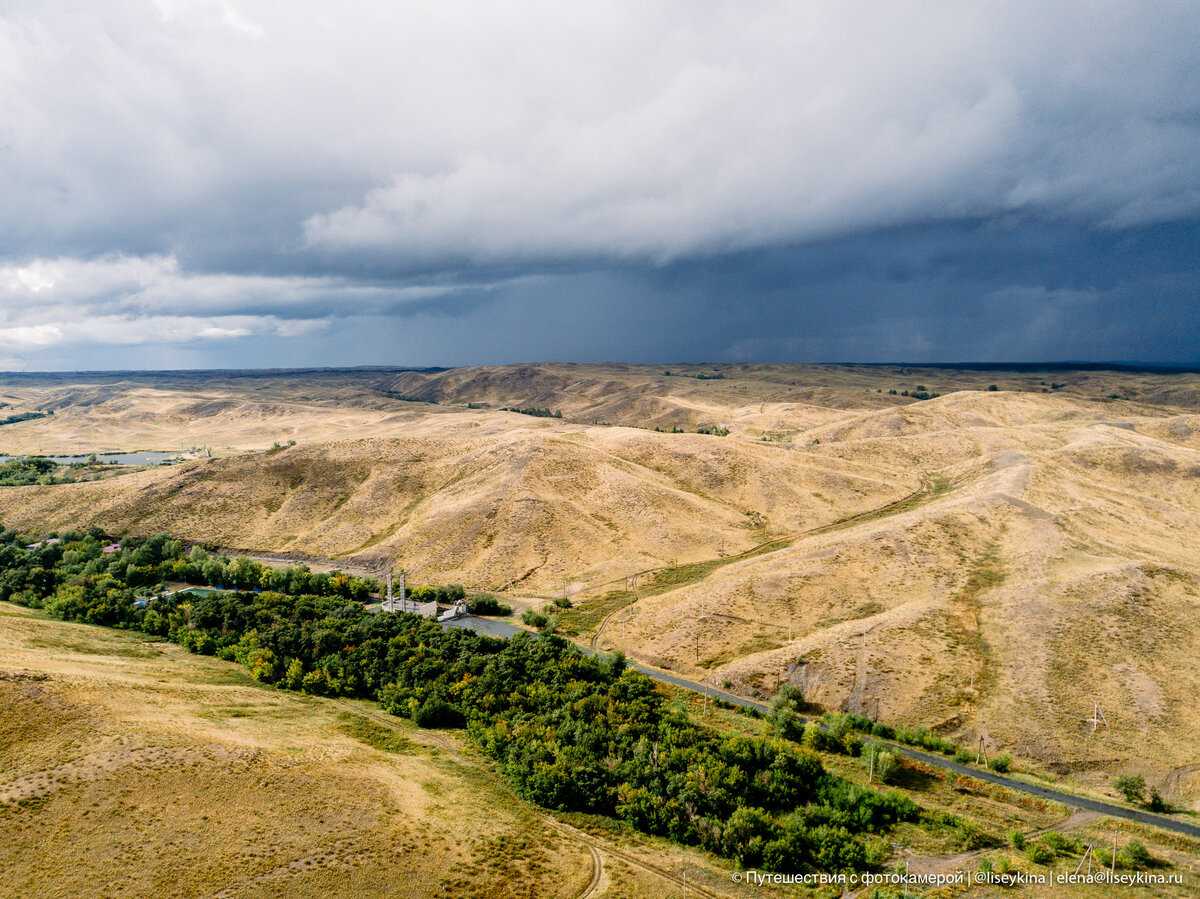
(131, 767)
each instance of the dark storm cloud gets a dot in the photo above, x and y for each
(457, 181)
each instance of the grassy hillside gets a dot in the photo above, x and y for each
(1052, 570)
(497, 500)
(994, 562)
(132, 767)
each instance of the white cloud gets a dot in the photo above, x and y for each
(129, 300)
(437, 133)
(22, 336)
(86, 328)
(155, 152)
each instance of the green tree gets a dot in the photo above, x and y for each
(785, 717)
(1132, 787)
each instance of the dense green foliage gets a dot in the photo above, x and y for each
(24, 416)
(486, 604)
(534, 618)
(26, 471)
(882, 763)
(1132, 787)
(536, 411)
(921, 393)
(569, 730)
(447, 594)
(30, 576)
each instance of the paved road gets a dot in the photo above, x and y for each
(495, 628)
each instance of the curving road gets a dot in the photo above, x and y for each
(494, 628)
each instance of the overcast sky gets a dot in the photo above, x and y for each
(215, 183)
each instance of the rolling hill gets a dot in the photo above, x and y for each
(992, 562)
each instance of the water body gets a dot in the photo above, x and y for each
(150, 457)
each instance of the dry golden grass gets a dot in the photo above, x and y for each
(132, 768)
(1056, 570)
(992, 563)
(496, 500)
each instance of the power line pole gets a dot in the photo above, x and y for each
(1097, 717)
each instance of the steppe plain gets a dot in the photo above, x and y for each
(992, 563)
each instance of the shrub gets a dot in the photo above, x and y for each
(1061, 844)
(486, 604)
(1018, 840)
(1040, 854)
(925, 739)
(1132, 787)
(535, 411)
(1134, 855)
(815, 737)
(934, 743)
(971, 837)
(1156, 803)
(883, 731)
(535, 619)
(1001, 764)
(963, 756)
(882, 761)
(437, 712)
(563, 602)
(784, 716)
(838, 725)
(858, 722)
(787, 724)
(745, 834)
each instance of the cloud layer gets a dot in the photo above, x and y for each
(202, 170)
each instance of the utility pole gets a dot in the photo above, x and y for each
(1087, 856)
(1097, 717)
(392, 602)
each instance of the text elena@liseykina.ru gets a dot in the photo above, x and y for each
(959, 878)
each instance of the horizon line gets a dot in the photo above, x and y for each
(964, 365)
